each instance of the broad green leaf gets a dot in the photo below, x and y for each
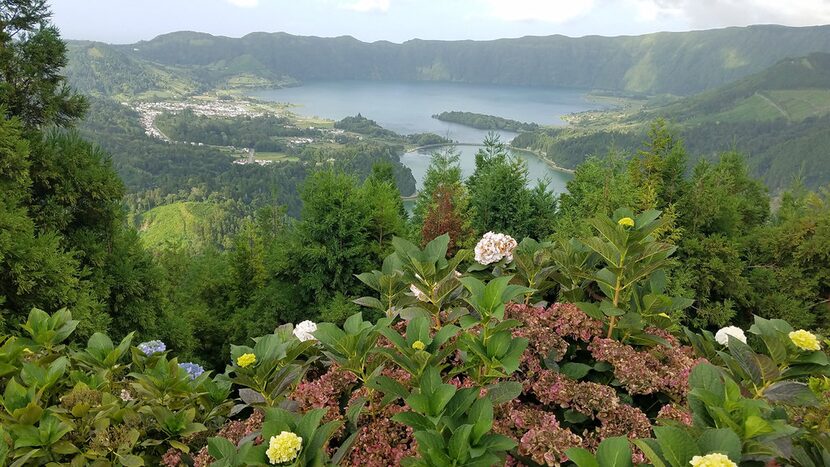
(582, 457)
(721, 440)
(575, 370)
(614, 452)
(791, 392)
(678, 447)
(504, 391)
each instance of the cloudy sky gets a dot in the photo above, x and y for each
(399, 20)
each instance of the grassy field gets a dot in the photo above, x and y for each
(802, 103)
(182, 224)
(793, 104)
(276, 156)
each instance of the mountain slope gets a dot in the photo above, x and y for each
(100, 69)
(678, 63)
(779, 118)
(794, 89)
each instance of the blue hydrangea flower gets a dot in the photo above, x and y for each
(152, 347)
(194, 370)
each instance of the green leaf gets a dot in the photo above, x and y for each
(651, 448)
(504, 391)
(496, 442)
(439, 399)
(344, 449)
(678, 447)
(759, 367)
(220, 448)
(131, 460)
(354, 410)
(791, 392)
(498, 344)
(179, 445)
(461, 402)
(99, 345)
(773, 338)
(369, 302)
(414, 420)
(722, 440)
(575, 370)
(481, 415)
(614, 452)
(756, 426)
(581, 457)
(64, 447)
(572, 416)
(706, 376)
(590, 309)
(459, 445)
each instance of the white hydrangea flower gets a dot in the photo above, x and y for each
(125, 395)
(418, 294)
(722, 336)
(493, 247)
(304, 330)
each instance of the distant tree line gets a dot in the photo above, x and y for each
(485, 122)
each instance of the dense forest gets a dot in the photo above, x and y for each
(498, 324)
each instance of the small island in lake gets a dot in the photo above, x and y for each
(485, 122)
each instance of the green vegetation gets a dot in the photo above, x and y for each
(364, 126)
(675, 63)
(778, 118)
(265, 133)
(793, 89)
(64, 240)
(98, 69)
(485, 122)
(589, 340)
(105, 70)
(190, 225)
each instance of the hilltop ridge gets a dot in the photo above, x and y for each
(680, 63)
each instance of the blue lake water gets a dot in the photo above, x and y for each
(408, 107)
(537, 169)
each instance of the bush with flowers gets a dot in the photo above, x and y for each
(470, 365)
(102, 404)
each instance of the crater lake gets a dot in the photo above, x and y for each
(408, 107)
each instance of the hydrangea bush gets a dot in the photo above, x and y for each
(519, 353)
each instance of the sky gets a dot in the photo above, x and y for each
(127, 21)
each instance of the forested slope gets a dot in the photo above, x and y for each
(779, 118)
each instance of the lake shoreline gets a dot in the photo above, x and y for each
(407, 108)
(553, 165)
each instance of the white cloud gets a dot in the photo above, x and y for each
(548, 11)
(366, 6)
(718, 13)
(244, 3)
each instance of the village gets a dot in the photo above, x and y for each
(149, 111)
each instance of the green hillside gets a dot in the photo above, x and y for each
(105, 70)
(99, 69)
(793, 89)
(779, 118)
(680, 63)
(190, 225)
